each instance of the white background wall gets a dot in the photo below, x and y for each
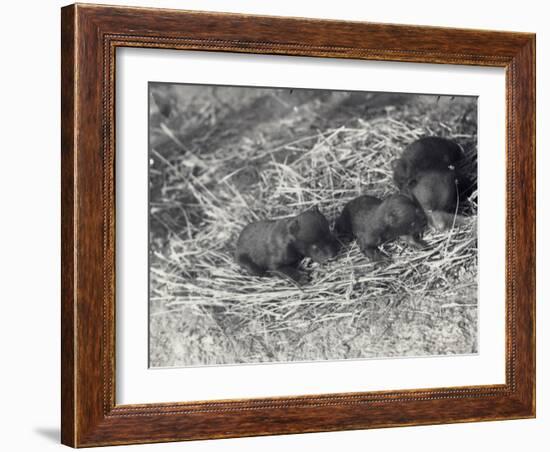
(29, 226)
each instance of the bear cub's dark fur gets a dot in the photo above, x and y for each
(427, 172)
(425, 154)
(272, 246)
(437, 192)
(373, 222)
(434, 190)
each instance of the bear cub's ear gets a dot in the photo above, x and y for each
(398, 164)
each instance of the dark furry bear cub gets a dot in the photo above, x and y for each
(373, 222)
(278, 246)
(427, 171)
(425, 154)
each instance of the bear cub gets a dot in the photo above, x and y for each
(438, 194)
(425, 154)
(277, 246)
(427, 172)
(372, 222)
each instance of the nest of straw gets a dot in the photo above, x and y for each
(205, 310)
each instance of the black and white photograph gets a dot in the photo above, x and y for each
(300, 225)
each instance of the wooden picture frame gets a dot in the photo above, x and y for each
(90, 36)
